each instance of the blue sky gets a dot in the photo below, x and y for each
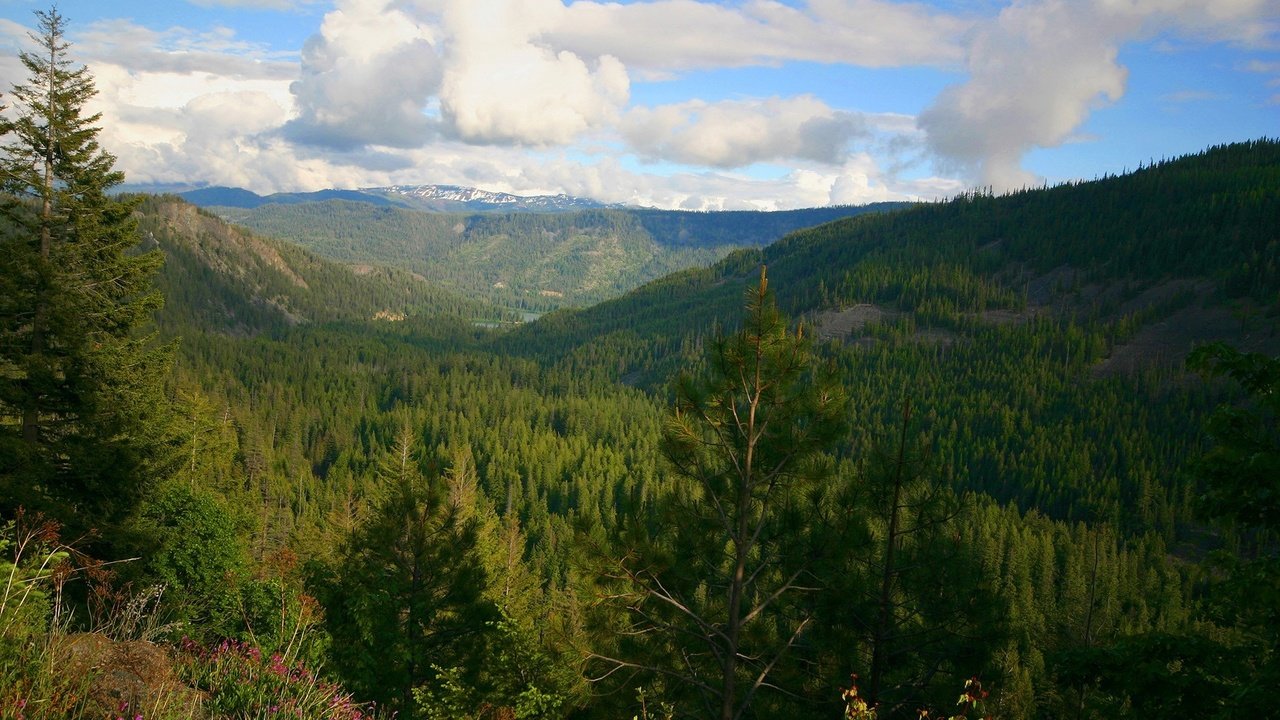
(672, 103)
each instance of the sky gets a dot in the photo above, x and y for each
(694, 104)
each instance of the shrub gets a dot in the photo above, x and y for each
(239, 681)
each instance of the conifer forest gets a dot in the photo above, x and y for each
(335, 460)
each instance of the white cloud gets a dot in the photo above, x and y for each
(395, 74)
(668, 35)
(1039, 69)
(450, 91)
(180, 106)
(502, 86)
(179, 50)
(857, 182)
(739, 133)
(366, 77)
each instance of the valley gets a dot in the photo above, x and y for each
(1010, 483)
(527, 261)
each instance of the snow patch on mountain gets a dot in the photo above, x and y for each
(453, 196)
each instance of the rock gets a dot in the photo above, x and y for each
(126, 678)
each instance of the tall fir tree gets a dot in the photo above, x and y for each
(80, 382)
(404, 603)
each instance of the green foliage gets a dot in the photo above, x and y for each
(714, 596)
(199, 554)
(405, 596)
(1226, 666)
(81, 416)
(904, 597)
(1075, 534)
(520, 679)
(1241, 489)
(533, 681)
(1010, 319)
(30, 558)
(1157, 675)
(447, 697)
(1201, 216)
(225, 279)
(1242, 470)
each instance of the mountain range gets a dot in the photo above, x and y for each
(433, 198)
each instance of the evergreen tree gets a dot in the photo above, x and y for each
(715, 598)
(904, 600)
(79, 382)
(405, 601)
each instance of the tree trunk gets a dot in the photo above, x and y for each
(884, 623)
(31, 413)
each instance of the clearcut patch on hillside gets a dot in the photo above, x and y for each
(1169, 340)
(843, 323)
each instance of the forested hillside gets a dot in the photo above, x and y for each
(1088, 249)
(1027, 324)
(959, 440)
(529, 261)
(222, 279)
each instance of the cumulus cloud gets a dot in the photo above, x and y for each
(183, 105)
(219, 133)
(395, 74)
(503, 86)
(1040, 68)
(539, 73)
(450, 91)
(737, 133)
(366, 77)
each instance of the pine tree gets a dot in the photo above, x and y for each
(716, 598)
(80, 384)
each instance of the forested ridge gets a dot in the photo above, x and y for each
(220, 278)
(961, 441)
(529, 261)
(1210, 215)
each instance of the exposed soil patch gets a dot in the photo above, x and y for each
(1045, 289)
(1170, 340)
(841, 324)
(934, 336)
(847, 325)
(1165, 292)
(1009, 317)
